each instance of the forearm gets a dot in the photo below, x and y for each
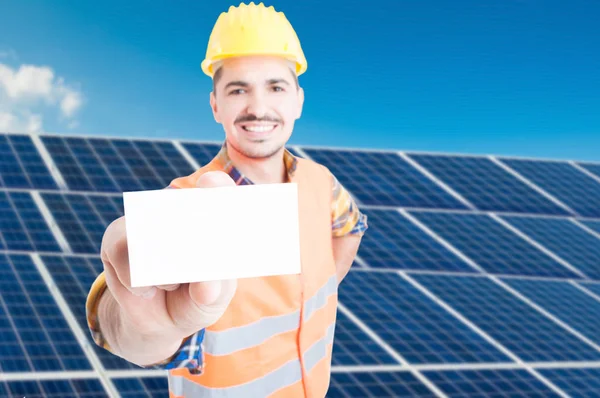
(344, 252)
(126, 342)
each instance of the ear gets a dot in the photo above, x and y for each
(213, 106)
(300, 102)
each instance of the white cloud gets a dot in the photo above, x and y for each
(28, 91)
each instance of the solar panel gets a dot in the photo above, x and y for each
(116, 165)
(384, 179)
(566, 302)
(411, 323)
(593, 168)
(142, 387)
(492, 246)
(592, 287)
(83, 218)
(577, 382)
(395, 242)
(564, 238)
(74, 276)
(21, 166)
(352, 346)
(75, 388)
(377, 384)
(450, 323)
(577, 190)
(487, 185)
(594, 225)
(36, 337)
(202, 153)
(22, 226)
(490, 383)
(517, 326)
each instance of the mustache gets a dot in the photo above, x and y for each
(253, 118)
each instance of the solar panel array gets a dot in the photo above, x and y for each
(479, 275)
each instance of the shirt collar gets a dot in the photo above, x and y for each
(223, 158)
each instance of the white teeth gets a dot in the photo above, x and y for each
(258, 129)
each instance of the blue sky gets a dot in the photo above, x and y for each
(488, 77)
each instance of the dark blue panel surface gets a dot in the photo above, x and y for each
(394, 242)
(592, 224)
(83, 218)
(569, 185)
(489, 383)
(377, 385)
(21, 166)
(487, 185)
(202, 153)
(411, 323)
(78, 176)
(566, 302)
(593, 168)
(565, 239)
(22, 226)
(154, 387)
(592, 287)
(36, 337)
(73, 388)
(510, 321)
(492, 246)
(578, 383)
(383, 179)
(352, 346)
(74, 277)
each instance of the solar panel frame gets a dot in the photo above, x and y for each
(423, 332)
(490, 383)
(393, 241)
(21, 165)
(492, 246)
(44, 336)
(572, 187)
(486, 185)
(383, 179)
(563, 238)
(514, 324)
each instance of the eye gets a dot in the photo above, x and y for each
(278, 88)
(236, 91)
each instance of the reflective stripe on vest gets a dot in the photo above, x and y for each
(286, 375)
(229, 341)
(235, 339)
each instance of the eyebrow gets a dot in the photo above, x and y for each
(241, 83)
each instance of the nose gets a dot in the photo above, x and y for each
(257, 105)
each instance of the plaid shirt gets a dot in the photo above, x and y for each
(346, 219)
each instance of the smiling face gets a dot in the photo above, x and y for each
(257, 100)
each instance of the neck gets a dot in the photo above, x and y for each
(269, 170)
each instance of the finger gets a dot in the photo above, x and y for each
(201, 304)
(115, 254)
(169, 288)
(213, 179)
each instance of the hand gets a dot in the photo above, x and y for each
(168, 310)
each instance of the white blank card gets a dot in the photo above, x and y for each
(200, 234)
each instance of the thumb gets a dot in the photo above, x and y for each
(213, 179)
(200, 305)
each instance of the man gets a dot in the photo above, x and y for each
(253, 337)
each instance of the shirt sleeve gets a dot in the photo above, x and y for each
(190, 354)
(347, 219)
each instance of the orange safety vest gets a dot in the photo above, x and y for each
(276, 337)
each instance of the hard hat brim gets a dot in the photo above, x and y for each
(207, 64)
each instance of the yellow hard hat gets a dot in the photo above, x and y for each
(253, 30)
